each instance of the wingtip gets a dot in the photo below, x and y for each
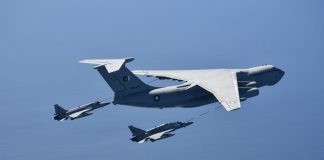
(91, 61)
(233, 109)
(82, 61)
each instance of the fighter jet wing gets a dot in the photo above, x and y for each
(159, 135)
(77, 114)
(221, 83)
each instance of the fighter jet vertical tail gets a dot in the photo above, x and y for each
(135, 131)
(119, 78)
(59, 110)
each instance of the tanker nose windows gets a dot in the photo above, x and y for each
(277, 69)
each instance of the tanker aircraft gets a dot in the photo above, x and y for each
(229, 87)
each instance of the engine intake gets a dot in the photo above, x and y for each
(252, 92)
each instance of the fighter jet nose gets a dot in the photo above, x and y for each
(104, 104)
(189, 123)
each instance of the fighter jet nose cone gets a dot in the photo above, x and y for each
(104, 104)
(189, 123)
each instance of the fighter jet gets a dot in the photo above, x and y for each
(200, 87)
(82, 111)
(156, 133)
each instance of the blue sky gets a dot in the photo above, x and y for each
(41, 42)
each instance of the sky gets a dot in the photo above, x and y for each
(41, 42)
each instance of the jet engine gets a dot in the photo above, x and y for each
(252, 92)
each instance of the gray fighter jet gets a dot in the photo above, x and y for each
(156, 133)
(82, 111)
(200, 87)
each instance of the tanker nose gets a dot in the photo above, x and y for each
(278, 74)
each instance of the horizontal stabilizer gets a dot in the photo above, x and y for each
(112, 65)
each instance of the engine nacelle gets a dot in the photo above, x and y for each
(170, 89)
(250, 93)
